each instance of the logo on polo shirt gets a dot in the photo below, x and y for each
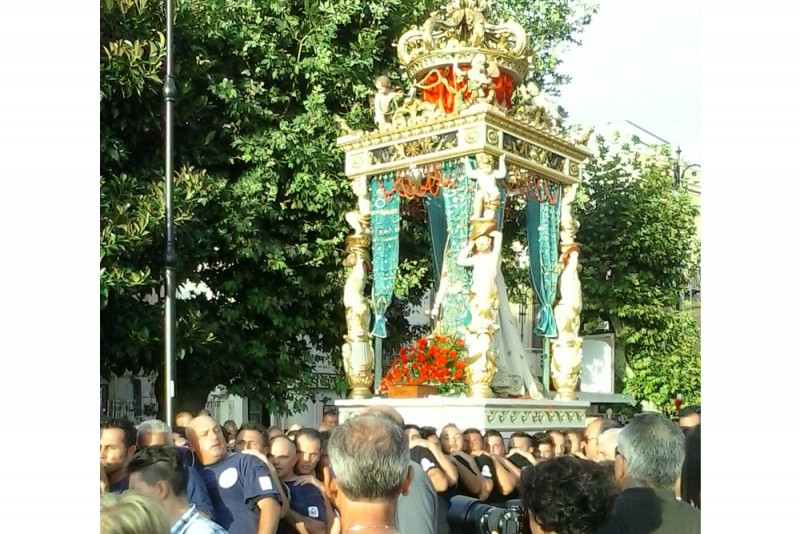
(486, 471)
(228, 478)
(265, 483)
(426, 464)
(313, 512)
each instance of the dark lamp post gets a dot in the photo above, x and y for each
(170, 254)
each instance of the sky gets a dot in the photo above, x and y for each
(639, 61)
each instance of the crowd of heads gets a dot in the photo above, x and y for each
(568, 480)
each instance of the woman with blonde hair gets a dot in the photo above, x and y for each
(131, 513)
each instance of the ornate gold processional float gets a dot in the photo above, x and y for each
(467, 138)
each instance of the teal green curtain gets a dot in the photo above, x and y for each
(437, 226)
(385, 223)
(542, 212)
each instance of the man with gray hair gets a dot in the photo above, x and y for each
(417, 511)
(649, 458)
(607, 444)
(157, 432)
(369, 469)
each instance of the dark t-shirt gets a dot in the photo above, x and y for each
(488, 470)
(119, 486)
(522, 463)
(235, 484)
(427, 460)
(307, 501)
(196, 491)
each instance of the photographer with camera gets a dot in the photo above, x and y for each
(571, 496)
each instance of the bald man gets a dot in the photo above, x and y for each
(244, 495)
(416, 512)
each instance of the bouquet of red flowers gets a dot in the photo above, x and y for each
(435, 360)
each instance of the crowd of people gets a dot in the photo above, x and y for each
(376, 473)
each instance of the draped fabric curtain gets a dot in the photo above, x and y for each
(542, 212)
(385, 223)
(437, 225)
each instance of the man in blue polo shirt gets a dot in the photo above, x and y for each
(117, 445)
(243, 493)
(306, 504)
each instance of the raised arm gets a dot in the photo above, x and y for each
(464, 259)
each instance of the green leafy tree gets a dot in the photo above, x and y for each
(260, 191)
(639, 249)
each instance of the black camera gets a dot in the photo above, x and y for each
(471, 516)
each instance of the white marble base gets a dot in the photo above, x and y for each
(504, 415)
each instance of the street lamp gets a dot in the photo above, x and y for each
(170, 254)
(677, 182)
(678, 174)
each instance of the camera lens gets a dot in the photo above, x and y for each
(470, 516)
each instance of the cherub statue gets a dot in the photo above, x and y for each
(487, 196)
(385, 101)
(482, 254)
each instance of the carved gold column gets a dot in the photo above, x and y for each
(357, 354)
(566, 351)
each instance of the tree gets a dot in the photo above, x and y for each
(260, 192)
(639, 249)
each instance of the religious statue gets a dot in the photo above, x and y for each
(385, 101)
(568, 310)
(487, 196)
(569, 225)
(479, 78)
(482, 254)
(357, 349)
(359, 219)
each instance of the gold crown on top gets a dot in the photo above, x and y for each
(455, 34)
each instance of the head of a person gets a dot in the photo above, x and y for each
(205, 438)
(567, 495)
(473, 440)
(309, 450)
(183, 419)
(572, 441)
(412, 432)
(330, 418)
(370, 461)
(592, 434)
(158, 472)
(650, 452)
(607, 444)
(451, 438)
(690, 473)
(521, 440)
(117, 444)
(273, 432)
(543, 445)
(130, 512)
(252, 435)
(283, 455)
(493, 442)
(153, 432)
(558, 442)
(689, 416)
(229, 430)
(429, 433)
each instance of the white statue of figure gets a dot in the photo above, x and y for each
(568, 310)
(385, 101)
(482, 254)
(487, 195)
(359, 219)
(569, 225)
(356, 305)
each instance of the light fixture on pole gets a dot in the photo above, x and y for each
(170, 256)
(677, 183)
